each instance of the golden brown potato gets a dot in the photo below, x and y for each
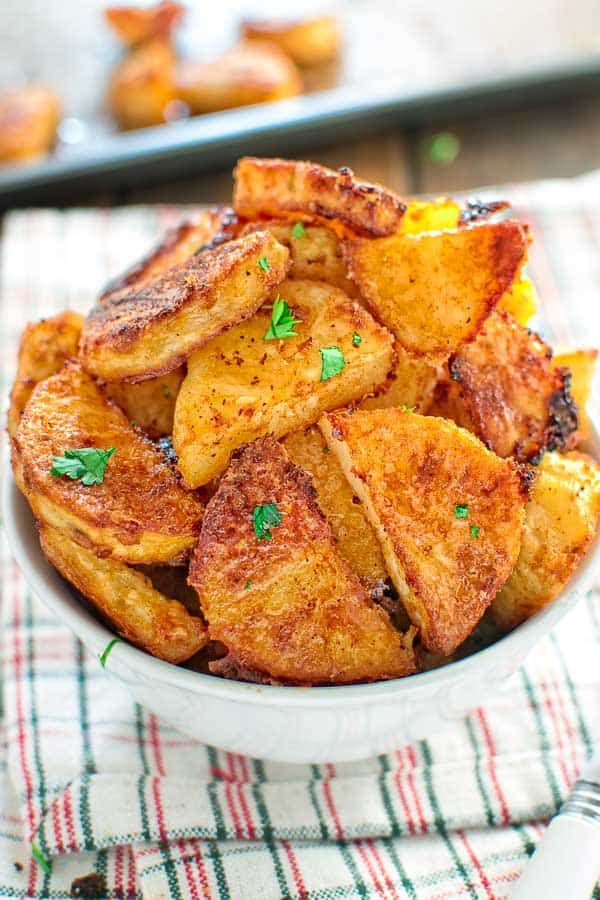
(251, 72)
(520, 301)
(505, 388)
(284, 189)
(134, 25)
(44, 347)
(142, 86)
(136, 334)
(149, 405)
(127, 599)
(139, 513)
(433, 291)
(241, 386)
(440, 214)
(315, 251)
(352, 532)
(411, 383)
(581, 364)
(561, 521)
(448, 513)
(29, 117)
(286, 604)
(309, 42)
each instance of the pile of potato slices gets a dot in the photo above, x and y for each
(310, 439)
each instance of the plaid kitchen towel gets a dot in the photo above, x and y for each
(96, 785)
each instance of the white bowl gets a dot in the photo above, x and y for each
(292, 724)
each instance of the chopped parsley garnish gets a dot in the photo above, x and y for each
(87, 463)
(282, 321)
(356, 339)
(406, 408)
(41, 859)
(332, 362)
(166, 390)
(474, 530)
(298, 231)
(264, 518)
(248, 585)
(461, 511)
(104, 655)
(263, 263)
(326, 450)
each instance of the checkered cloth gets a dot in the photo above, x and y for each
(100, 785)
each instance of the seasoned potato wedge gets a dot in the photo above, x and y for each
(440, 214)
(352, 532)
(561, 521)
(44, 347)
(134, 25)
(581, 364)
(315, 251)
(137, 334)
(505, 388)
(433, 291)
(309, 42)
(139, 513)
(241, 386)
(149, 405)
(127, 599)
(448, 513)
(142, 85)
(29, 117)
(520, 301)
(280, 188)
(411, 383)
(287, 604)
(251, 72)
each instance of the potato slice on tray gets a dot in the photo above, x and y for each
(127, 599)
(281, 188)
(560, 523)
(273, 587)
(243, 384)
(136, 511)
(309, 42)
(140, 333)
(149, 405)
(136, 26)
(448, 513)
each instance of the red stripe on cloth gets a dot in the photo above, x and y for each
(131, 872)
(57, 828)
(154, 735)
(491, 747)
(400, 788)
(196, 846)
(239, 831)
(370, 869)
(568, 727)
(243, 764)
(485, 882)
(413, 788)
(293, 861)
(119, 886)
(188, 869)
(549, 704)
(69, 819)
(158, 805)
(326, 782)
(382, 868)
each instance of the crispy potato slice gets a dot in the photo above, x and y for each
(433, 291)
(448, 513)
(352, 531)
(309, 42)
(44, 347)
(142, 86)
(137, 334)
(149, 405)
(520, 301)
(251, 72)
(241, 386)
(560, 523)
(411, 383)
(315, 251)
(127, 599)
(29, 117)
(505, 388)
(136, 26)
(581, 364)
(282, 188)
(440, 214)
(139, 513)
(288, 606)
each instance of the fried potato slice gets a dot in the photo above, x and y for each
(134, 25)
(412, 382)
(137, 334)
(520, 301)
(126, 598)
(251, 72)
(149, 405)
(241, 386)
(560, 523)
(433, 291)
(281, 188)
(142, 86)
(352, 532)
(448, 513)
(581, 364)
(29, 117)
(309, 42)
(44, 347)
(315, 251)
(288, 606)
(505, 388)
(440, 214)
(139, 513)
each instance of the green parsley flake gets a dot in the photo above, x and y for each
(356, 339)
(166, 391)
(474, 531)
(298, 231)
(248, 585)
(406, 408)
(332, 362)
(326, 450)
(282, 321)
(87, 463)
(191, 280)
(461, 511)
(104, 655)
(263, 263)
(41, 859)
(264, 518)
